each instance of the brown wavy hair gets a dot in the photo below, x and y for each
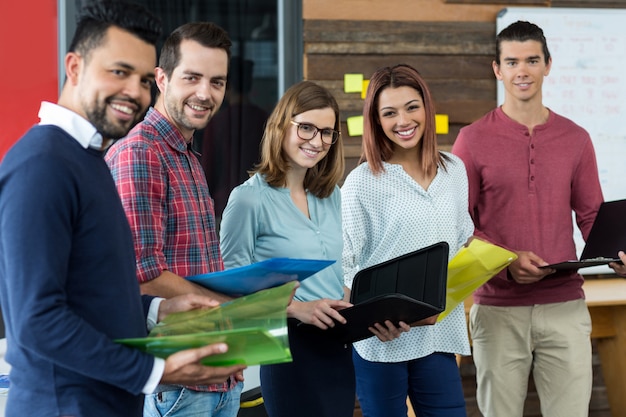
(321, 179)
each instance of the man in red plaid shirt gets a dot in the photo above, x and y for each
(166, 198)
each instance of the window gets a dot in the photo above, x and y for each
(266, 60)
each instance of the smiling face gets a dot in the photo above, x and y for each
(522, 70)
(304, 154)
(195, 91)
(112, 84)
(402, 116)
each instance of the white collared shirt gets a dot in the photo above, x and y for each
(75, 125)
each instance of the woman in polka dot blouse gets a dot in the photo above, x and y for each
(405, 195)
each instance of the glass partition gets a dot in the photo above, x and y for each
(266, 59)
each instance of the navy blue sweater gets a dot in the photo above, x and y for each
(67, 283)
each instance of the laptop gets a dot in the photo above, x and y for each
(606, 238)
(408, 288)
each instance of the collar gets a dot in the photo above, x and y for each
(167, 129)
(75, 125)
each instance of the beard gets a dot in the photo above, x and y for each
(177, 113)
(111, 129)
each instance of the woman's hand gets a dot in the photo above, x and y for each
(389, 331)
(321, 313)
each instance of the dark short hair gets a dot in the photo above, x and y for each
(97, 17)
(206, 34)
(522, 31)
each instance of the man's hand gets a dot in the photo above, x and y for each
(184, 367)
(524, 269)
(620, 269)
(170, 285)
(185, 303)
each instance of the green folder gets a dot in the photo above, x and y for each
(254, 327)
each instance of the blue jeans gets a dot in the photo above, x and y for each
(433, 384)
(183, 402)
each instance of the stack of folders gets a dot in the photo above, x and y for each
(254, 326)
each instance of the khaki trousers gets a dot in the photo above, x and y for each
(552, 341)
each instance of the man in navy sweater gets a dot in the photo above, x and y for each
(67, 269)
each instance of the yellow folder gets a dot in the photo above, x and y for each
(470, 268)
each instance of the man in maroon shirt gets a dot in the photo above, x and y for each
(528, 169)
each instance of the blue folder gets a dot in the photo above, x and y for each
(261, 275)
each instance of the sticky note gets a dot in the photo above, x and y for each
(441, 124)
(353, 83)
(366, 83)
(355, 125)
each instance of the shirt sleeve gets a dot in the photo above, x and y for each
(586, 190)
(463, 151)
(140, 180)
(467, 225)
(354, 223)
(153, 313)
(238, 230)
(155, 376)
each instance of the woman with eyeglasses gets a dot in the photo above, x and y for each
(405, 195)
(290, 207)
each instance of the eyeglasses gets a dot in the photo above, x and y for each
(307, 131)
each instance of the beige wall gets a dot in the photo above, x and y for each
(400, 10)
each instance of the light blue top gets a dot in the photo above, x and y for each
(389, 215)
(262, 222)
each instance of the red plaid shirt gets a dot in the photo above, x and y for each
(167, 202)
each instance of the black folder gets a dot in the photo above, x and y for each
(408, 288)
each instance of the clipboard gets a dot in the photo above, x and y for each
(408, 288)
(606, 237)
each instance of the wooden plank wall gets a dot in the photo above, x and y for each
(454, 57)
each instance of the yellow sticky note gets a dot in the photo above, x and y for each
(353, 83)
(441, 124)
(366, 83)
(355, 125)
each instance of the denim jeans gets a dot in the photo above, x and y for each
(433, 383)
(183, 402)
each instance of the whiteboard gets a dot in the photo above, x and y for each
(587, 83)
